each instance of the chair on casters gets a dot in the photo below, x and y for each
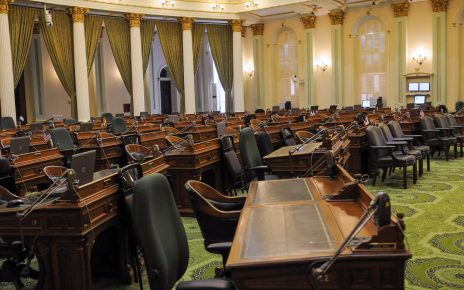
(62, 139)
(264, 142)
(287, 136)
(162, 238)
(442, 122)
(382, 157)
(119, 125)
(234, 170)
(7, 123)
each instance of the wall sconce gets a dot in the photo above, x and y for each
(168, 3)
(251, 4)
(322, 66)
(419, 59)
(249, 71)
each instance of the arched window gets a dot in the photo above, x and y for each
(164, 73)
(372, 62)
(288, 66)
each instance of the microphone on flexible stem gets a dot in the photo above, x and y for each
(309, 140)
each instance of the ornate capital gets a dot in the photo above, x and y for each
(134, 19)
(186, 23)
(439, 5)
(78, 14)
(400, 9)
(336, 17)
(4, 6)
(258, 29)
(236, 25)
(309, 21)
(243, 31)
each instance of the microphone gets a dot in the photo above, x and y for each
(298, 148)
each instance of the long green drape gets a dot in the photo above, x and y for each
(119, 36)
(59, 41)
(21, 21)
(147, 33)
(220, 40)
(93, 25)
(170, 34)
(198, 33)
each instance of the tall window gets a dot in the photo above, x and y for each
(288, 66)
(373, 66)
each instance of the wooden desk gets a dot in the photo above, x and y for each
(156, 165)
(287, 225)
(108, 151)
(154, 138)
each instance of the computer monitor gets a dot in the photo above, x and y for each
(295, 111)
(36, 126)
(314, 108)
(419, 100)
(424, 87)
(333, 108)
(366, 104)
(349, 109)
(221, 129)
(20, 145)
(357, 107)
(413, 87)
(86, 127)
(83, 165)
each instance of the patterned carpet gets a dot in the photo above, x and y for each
(434, 210)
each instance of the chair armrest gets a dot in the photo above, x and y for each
(397, 143)
(259, 168)
(209, 284)
(219, 248)
(413, 136)
(382, 147)
(445, 129)
(404, 139)
(430, 130)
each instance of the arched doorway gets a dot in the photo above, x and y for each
(165, 91)
(287, 68)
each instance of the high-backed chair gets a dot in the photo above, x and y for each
(217, 215)
(397, 132)
(130, 139)
(248, 119)
(442, 122)
(107, 116)
(7, 123)
(303, 136)
(287, 136)
(251, 157)
(137, 153)
(69, 121)
(234, 170)
(62, 139)
(264, 142)
(437, 138)
(162, 238)
(6, 177)
(382, 157)
(119, 125)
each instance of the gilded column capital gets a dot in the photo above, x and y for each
(439, 5)
(134, 19)
(400, 9)
(309, 21)
(336, 17)
(4, 6)
(243, 31)
(186, 23)
(236, 25)
(258, 29)
(78, 13)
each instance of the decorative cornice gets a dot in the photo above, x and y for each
(309, 21)
(134, 19)
(258, 29)
(78, 13)
(186, 23)
(336, 17)
(439, 5)
(4, 6)
(236, 25)
(400, 9)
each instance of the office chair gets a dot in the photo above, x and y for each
(234, 170)
(62, 139)
(248, 119)
(6, 176)
(217, 216)
(259, 111)
(7, 123)
(287, 136)
(382, 157)
(162, 238)
(130, 139)
(437, 138)
(119, 125)
(251, 157)
(264, 142)
(442, 122)
(69, 121)
(137, 153)
(107, 116)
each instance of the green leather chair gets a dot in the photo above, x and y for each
(162, 238)
(7, 123)
(69, 121)
(62, 139)
(107, 116)
(119, 125)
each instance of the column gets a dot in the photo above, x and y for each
(400, 28)
(258, 60)
(189, 74)
(309, 23)
(7, 94)
(80, 64)
(336, 19)
(238, 88)
(439, 8)
(138, 93)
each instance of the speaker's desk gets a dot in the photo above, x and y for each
(287, 227)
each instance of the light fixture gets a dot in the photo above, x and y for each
(217, 6)
(322, 66)
(168, 3)
(48, 16)
(249, 71)
(419, 59)
(251, 4)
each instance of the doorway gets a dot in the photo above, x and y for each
(165, 90)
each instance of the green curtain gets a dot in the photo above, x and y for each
(198, 33)
(170, 34)
(119, 36)
(21, 21)
(59, 41)
(93, 28)
(147, 33)
(220, 40)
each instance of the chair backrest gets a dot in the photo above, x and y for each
(6, 177)
(451, 120)
(119, 125)
(426, 123)
(107, 116)
(130, 139)
(287, 136)
(69, 121)
(137, 152)
(62, 139)
(259, 111)
(441, 121)
(128, 176)
(395, 129)
(386, 132)
(248, 118)
(375, 137)
(249, 149)
(160, 232)
(7, 123)
(22, 133)
(264, 142)
(233, 165)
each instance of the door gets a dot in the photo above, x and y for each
(165, 87)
